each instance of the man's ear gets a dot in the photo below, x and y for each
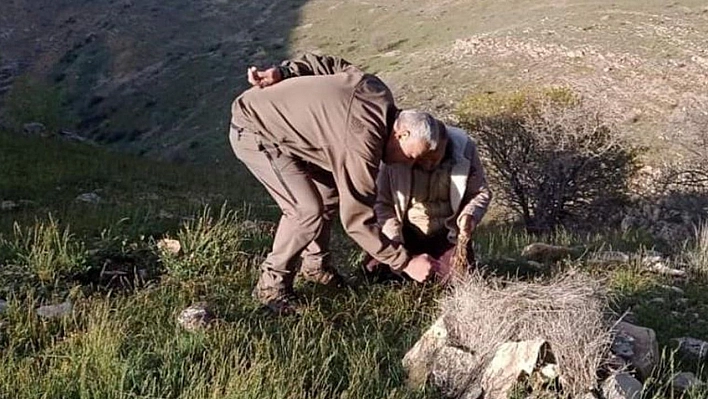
(402, 134)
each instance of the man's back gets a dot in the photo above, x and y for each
(319, 118)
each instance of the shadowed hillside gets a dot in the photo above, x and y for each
(152, 77)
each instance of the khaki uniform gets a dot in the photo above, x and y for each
(315, 141)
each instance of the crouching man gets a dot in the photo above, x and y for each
(435, 203)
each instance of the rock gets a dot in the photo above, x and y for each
(34, 128)
(8, 205)
(512, 362)
(610, 257)
(3, 305)
(541, 252)
(644, 354)
(90, 198)
(473, 392)
(684, 382)
(622, 386)
(692, 347)
(55, 311)
(418, 362)
(195, 317)
(451, 371)
(661, 268)
(169, 246)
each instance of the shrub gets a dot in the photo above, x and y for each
(550, 158)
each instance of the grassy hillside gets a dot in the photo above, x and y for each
(121, 338)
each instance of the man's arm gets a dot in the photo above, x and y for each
(478, 194)
(308, 64)
(385, 209)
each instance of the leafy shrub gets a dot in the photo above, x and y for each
(550, 158)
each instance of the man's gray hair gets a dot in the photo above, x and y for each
(421, 125)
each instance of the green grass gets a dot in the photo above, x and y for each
(122, 339)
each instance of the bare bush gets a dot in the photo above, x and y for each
(689, 131)
(552, 159)
(567, 312)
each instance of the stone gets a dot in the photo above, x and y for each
(540, 252)
(8, 205)
(34, 128)
(644, 354)
(451, 371)
(622, 386)
(512, 362)
(418, 362)
(195, 317)
(661, 268)
(610, 257)
(89, 198)
(55, 311)
(3, 305)
(684, 382)
(692, 347)
(169, 246)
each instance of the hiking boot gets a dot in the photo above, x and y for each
(280, 301)
(326, 276)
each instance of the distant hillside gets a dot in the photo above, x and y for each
(157, 78)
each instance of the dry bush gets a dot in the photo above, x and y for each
(689, 131)
(568, 312)
(551, 158)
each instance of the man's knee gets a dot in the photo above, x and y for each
(310, 214)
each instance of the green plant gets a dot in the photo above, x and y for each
(45, 250)
(209, 245)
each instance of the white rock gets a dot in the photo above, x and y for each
(90, 198)
(683, 382)
(512, 362)
(661, 268)
(8, 205)
(195, 317)
(622, 386)
(692, 347)
(417, 362)
(55, 311)
(170, 246)
(610, 257)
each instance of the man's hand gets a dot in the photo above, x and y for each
(466, 225)
(265, 78)
(420, 267)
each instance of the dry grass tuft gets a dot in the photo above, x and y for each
(568, 312)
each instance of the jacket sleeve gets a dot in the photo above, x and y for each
(477, 194)
(385, 206)
(355, 177)
(312, 64)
